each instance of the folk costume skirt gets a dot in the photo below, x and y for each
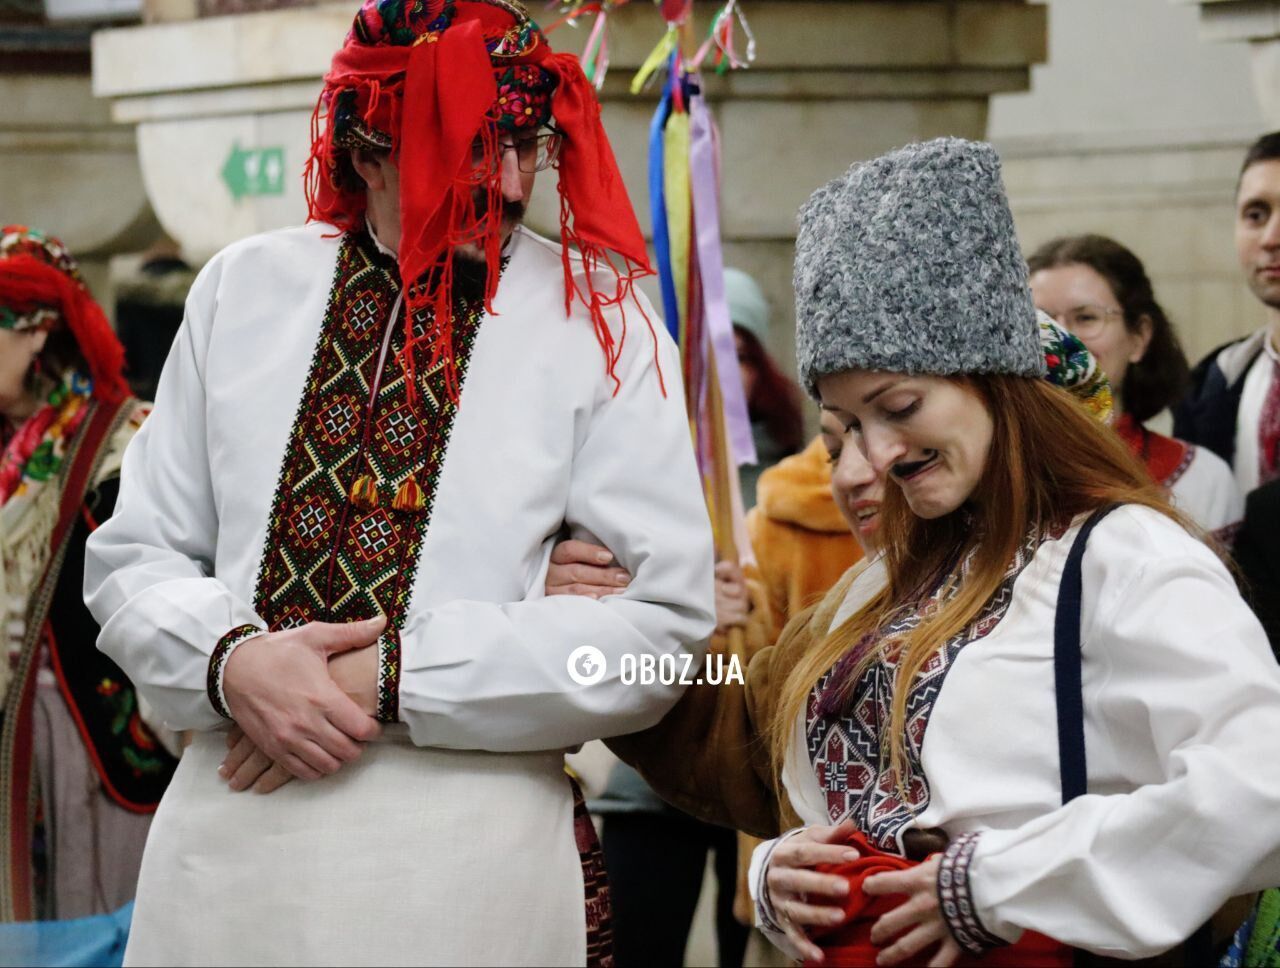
(408, 856)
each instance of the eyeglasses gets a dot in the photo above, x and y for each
(534, 153)
(1086, 321)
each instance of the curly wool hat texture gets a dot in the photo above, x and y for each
(909, 263)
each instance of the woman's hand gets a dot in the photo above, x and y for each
(580, 568)
(733, 604)
(918, 919)
(796, 890)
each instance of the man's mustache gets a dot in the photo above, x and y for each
(512, 212)
(907, 468)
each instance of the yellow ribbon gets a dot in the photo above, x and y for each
(675, 161)
(657, 57)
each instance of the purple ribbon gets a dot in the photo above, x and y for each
(704, 168)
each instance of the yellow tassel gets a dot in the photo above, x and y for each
(364, 493)
(409, 497)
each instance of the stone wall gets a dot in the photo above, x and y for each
(67, 168)
(1135, 128)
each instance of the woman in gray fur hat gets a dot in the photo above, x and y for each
(1112, 804)
(961, 778)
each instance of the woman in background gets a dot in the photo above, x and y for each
(1099, 290)
(80, 770)
(773, 400)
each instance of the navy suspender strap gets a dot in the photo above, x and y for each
(1068, 685)
(1067, 662)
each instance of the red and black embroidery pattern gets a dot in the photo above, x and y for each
(847, 749)
(218, 664)
(389, 677)
(595, 884)
(355, 492)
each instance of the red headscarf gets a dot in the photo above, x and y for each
(422, 80)
(37, 273)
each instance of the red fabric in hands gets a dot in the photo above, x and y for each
(849, 945)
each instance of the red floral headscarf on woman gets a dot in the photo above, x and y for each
(428, 79)
(41, 288)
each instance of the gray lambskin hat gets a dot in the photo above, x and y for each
(909, 263)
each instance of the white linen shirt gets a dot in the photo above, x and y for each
(540, 441)
(1207, 491)
(1253, 396)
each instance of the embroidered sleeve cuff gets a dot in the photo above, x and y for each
(956, 897)
(388, 677)
(218, 663)
(766, 916)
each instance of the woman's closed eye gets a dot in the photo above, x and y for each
(902, 413)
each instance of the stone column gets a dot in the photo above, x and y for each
(1257, 23)
(68, 169)
(835, 81)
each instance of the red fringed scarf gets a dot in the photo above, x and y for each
(436, 98)
(28, 283)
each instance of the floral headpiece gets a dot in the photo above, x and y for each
(434, 82)
(41, 288)
(1072, 367)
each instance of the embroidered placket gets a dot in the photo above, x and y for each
(371, 407)
(387, 689)
(845, 748)
(338, 547)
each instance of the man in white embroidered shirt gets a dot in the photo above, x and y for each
(330, 535)
(1233, 405)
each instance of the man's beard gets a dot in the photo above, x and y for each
(470, 271)
(512, 215)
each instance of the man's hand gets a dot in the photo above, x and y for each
(801, 897)
(580, 568)
(733, 603)
(246, 766)
(356, 674)
(280, 692)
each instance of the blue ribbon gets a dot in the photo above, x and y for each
(658, 207)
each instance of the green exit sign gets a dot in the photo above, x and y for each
(254, 171)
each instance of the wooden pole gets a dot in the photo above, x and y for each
(721, 487)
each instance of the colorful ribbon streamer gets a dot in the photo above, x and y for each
(704, 171)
